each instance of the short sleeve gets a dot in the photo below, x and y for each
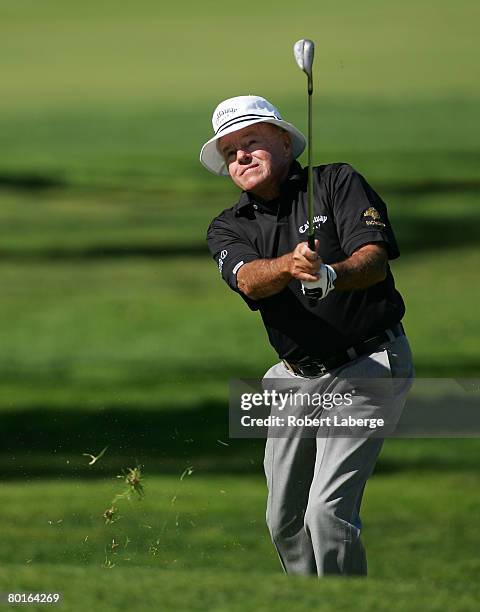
(230, 252)
(360, 214)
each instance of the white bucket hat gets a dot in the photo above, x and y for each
(237, 113)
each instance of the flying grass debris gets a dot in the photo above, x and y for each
(133, 478)
(110, 515)
(114, 545)
(94, 458)
(108, 563)
(187, 472)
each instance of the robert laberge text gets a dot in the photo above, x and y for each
(306, 421)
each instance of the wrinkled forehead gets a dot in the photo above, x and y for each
(251, 130)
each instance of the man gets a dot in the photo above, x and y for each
(353, 329)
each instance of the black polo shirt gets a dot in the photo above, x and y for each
(347, 214)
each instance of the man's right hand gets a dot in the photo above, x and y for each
(265, 277)
(305, 263)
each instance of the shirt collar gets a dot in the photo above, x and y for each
(294, 178)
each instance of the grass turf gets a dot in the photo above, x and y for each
(99, 177)
(201, 543)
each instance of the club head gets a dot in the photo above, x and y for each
(304, 50)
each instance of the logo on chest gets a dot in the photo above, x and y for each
(318, 221)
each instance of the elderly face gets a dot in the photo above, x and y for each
(258, 158)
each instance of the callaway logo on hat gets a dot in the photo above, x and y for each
(238, 113)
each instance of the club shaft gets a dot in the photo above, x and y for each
(311, 229)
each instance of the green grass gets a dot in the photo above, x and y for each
(204, 540)
(108, 95)
(227, 591)
(118, 330)
(100, 52)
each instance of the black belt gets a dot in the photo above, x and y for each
(315, 367)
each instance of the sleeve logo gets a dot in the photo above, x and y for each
(371, 216)
(221, 259)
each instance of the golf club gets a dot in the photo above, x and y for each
(304, 50)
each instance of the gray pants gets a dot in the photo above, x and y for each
(316, 484)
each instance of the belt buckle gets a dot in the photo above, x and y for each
(322, 369)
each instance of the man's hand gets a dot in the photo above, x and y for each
(305, 263)
(320, 288)
(265, 277)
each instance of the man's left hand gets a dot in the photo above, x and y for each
(320, 288)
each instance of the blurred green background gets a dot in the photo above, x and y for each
(117, 329)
